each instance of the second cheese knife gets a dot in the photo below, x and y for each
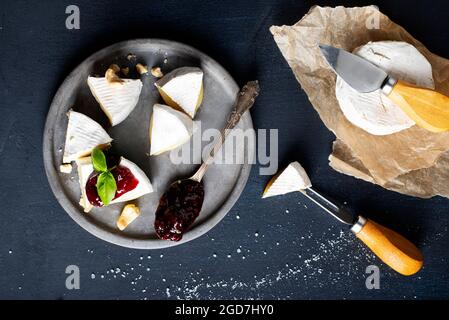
(428, 108)
(392, 248)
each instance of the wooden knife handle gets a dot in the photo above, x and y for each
(428, 108)
(392, 248)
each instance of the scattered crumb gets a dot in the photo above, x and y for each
(131, 57)
(111, 75)
(165, 60)
(65, 168)
(125, 71)
(129, 213)
(141, 69)
(156, 72)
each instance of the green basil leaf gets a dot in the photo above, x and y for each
(99, 160)
(106, 187)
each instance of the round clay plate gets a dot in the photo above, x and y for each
(223, 182)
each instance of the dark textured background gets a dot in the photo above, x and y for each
(299, 253)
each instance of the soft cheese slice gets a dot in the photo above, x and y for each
(144, 187)
(293, 178)
(117, 100)
(182, 89)
(169, 129)
(85, 169)
(83, 134)
(373, 112)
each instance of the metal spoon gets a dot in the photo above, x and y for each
(181, 204)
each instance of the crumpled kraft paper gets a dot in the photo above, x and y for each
(413, 161)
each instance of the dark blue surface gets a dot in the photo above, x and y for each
(299, 253)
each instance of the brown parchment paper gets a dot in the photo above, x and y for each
(413, 161)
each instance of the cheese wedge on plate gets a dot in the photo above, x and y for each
(85, 169)
(169, 129)
(182, 89)
(83, 134)
(372, 111)
(144, 187)
(117, 100)
(291, 179)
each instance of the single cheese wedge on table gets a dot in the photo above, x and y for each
(129, 213)
(182, 89)
(373, 112)
(116, 99)
(83, 134)
(137, 185)
(169, 129)
(291, 179)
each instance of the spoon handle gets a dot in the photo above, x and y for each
(245, 100)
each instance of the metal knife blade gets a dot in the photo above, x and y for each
(336, 210)
(360, 74)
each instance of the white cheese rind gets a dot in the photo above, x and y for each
(169, 129)
(85, 168)
(83, 134)
(293, 178)
(118, 100)
(373, 112)
(184, 87)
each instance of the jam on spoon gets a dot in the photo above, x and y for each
(178, 208)
(181, 204)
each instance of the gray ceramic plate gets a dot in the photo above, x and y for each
(223, 182)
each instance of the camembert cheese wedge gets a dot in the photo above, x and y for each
(182, 89)
(169, 129)
(83, 134)
(372, 111)
(291, 179)
(118, 99)
(85, 169)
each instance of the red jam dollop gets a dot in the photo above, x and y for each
(124, 179)
(178, 208)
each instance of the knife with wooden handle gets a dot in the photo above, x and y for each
(428, 108)
(392, 248)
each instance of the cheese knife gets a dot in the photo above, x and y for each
(392, 248)
(428, 108)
